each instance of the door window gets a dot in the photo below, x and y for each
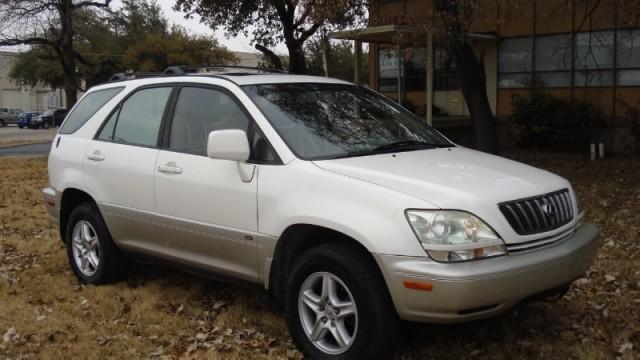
(200, 111)
(139, 119)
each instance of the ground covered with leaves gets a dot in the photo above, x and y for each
(157, 313)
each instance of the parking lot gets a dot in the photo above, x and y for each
(12, 135)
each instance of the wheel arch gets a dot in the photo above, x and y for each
(71, 197)
(295, 240)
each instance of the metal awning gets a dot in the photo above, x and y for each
(397, 35)
(389, 34)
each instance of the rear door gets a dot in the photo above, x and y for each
(210, 213)
(119, 166)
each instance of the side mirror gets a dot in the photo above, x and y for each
(228, 145)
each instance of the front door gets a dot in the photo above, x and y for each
(210, 213)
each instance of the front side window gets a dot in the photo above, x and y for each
(138, 119)
(86, 108)
(322, 121)
(200, 111)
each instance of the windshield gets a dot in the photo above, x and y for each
(324, 121)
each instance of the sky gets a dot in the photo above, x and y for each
(240, 43)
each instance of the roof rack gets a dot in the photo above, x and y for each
(122, 76)
(218, 70)
(195, 70)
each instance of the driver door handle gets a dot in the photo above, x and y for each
(170, 168)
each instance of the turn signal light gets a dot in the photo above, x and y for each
(415, 285)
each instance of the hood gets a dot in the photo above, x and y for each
(449, 178)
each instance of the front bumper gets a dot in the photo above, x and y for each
(51, 199)
(482, 288)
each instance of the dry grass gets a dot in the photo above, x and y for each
(160, 313)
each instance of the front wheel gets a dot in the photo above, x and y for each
(338, 306)
(45, 124)
(2, 123)
(93, 256)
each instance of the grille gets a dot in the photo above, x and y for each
(539, 213)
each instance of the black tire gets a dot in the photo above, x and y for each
(112, 265)
(21, 127)
(2, 123)
(377, 321)
(45, 124)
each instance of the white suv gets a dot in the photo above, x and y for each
(350, 211)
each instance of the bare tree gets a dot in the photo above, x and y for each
(47, 23)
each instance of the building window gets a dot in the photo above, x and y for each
(388, 68)
(628, 58)
(413, 69)
(553, 61)
(594, 59)
(515, 63)
(445, 74)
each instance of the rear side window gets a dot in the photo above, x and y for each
(137, 121)
(85, 109)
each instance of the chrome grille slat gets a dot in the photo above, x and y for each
(538, 243)
(538, 214)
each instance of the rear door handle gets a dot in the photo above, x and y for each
(170, 168)
(96, 156)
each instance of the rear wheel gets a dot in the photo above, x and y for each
(45, 124)
(93, 256)
(2, 123)
(338, 306)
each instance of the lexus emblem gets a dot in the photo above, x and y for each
(548, 209)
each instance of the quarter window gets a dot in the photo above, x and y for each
(200, 111)
(86, 108)
(140, 117)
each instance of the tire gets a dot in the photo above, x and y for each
(45, 124)
(21, 127)
(96, 261)
(2, 123)
(371, 332)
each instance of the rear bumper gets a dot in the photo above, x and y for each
(477, 289)
(51, 199)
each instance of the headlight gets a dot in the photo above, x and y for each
(452, 235)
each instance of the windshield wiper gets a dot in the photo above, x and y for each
(405, 145)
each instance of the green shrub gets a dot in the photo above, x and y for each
(548, 122)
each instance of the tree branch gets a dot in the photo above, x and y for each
(91, 3)
(274, 59)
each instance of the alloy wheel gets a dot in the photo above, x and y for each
(86, 249)
(328, 313)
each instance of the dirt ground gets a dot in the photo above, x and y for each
(46, 314)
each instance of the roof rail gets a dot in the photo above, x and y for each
(122, 76)
(217, 69)
(199, 70)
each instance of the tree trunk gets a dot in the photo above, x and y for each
(297, 62)
(473, 83)
(67, 57)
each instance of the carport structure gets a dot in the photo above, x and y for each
(399, 36)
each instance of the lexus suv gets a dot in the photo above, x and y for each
(352, 213)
